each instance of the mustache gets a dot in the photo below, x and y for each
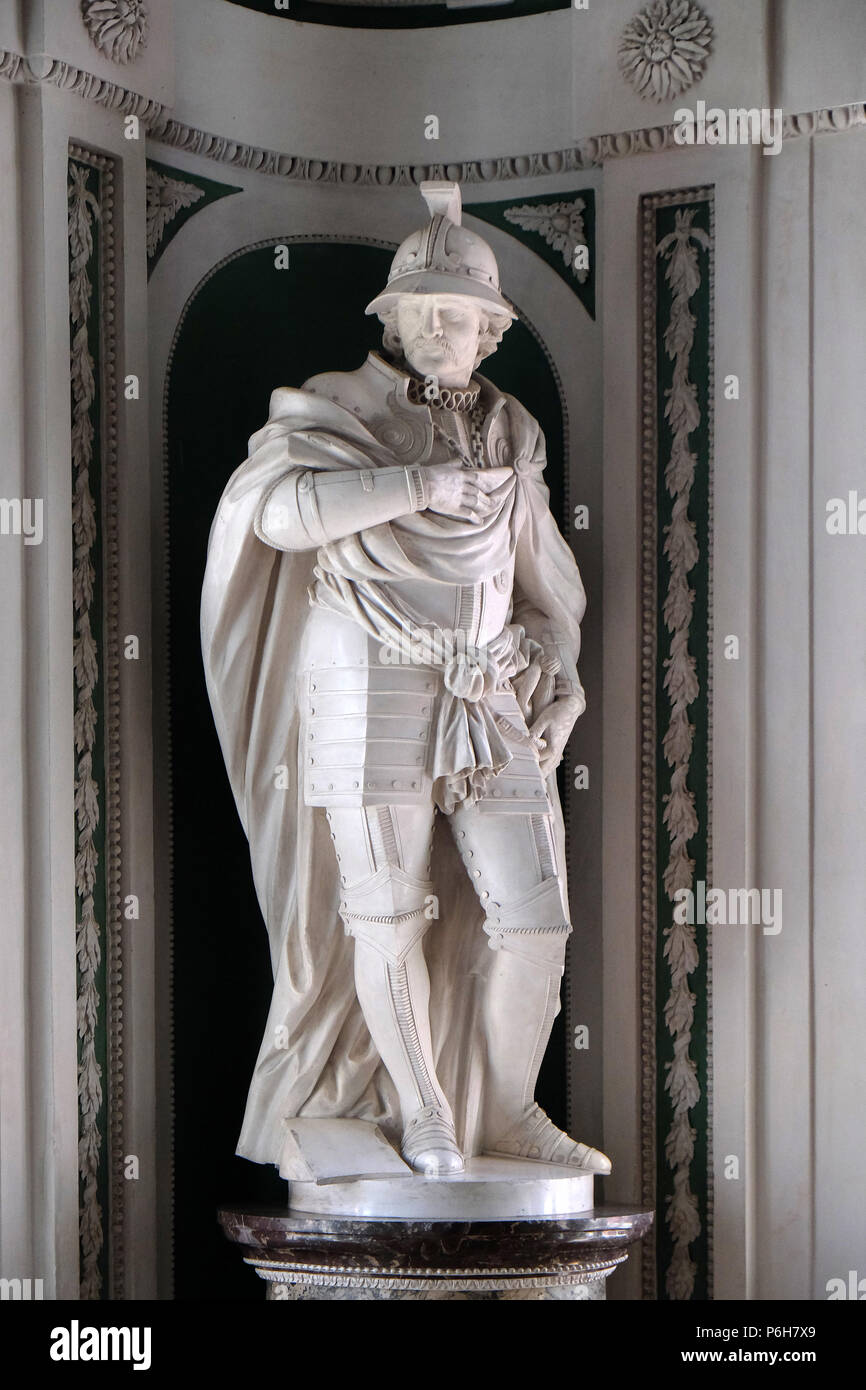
(422, 341)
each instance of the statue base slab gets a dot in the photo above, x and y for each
(489, 1189)
(329, 1257)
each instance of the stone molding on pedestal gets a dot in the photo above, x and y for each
(304, 1258)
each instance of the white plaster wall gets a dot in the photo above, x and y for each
(822, 53)
(17, 1255)
(502, 88)
(38, 1090)
(839, 716)
(783, 1171)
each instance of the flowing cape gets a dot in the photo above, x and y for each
(317, 1057)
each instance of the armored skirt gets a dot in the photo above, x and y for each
(370, 727)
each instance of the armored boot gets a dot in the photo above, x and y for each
(521, 1002)
(387, 916)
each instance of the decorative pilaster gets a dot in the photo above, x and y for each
(96, 718)
(677, 241)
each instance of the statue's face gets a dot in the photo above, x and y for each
(439, 334)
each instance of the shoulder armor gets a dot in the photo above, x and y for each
(355, 391)
(512, 436)
(282, 398)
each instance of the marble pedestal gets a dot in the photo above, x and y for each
(329, 1256)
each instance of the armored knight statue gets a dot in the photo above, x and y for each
(390, 628)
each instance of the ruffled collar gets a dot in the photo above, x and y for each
(422, 391)
(462, 399)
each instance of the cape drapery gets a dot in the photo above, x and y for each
(317, 1057)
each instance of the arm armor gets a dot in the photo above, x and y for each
(305, 510)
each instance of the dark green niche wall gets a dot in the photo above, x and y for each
(248, 329)
(351, 15)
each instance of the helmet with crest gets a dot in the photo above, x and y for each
(443, 258)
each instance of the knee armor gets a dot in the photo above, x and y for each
(533, 926)
(390, 910)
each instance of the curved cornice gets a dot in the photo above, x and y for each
(590, 152)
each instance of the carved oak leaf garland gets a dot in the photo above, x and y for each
(165, 198)
(118, 28)
(663, 51)
(83, 210)
(561, 225)
(682, 273)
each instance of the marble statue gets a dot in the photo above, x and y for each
(390, 628)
